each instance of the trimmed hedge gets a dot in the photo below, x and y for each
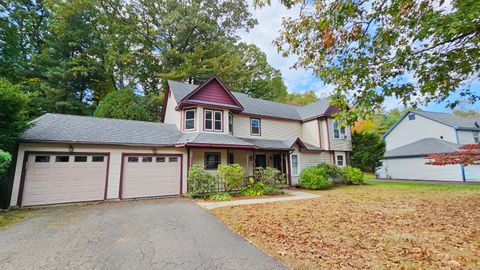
(352, 176)
(315, 178)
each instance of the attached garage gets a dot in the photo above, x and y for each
(50, 178)
(150, 175)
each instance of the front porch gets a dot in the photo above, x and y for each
(249, 159)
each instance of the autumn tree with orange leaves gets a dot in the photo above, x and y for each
(468, 154)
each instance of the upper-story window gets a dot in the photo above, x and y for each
(476, 137)
(338, 131)
(230, 123)
(411, 116)
(213, 120)
(255, 126)
(190, 119)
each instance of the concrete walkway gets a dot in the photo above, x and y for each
(294, 195)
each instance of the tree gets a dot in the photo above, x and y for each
(469, 154)
(466, 113)
(415, 51)
(12, 115)
(124, 104)
(368, 150)
(300, 99)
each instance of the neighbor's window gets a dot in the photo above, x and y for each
(213, 120)
(338, 131)
(62, 158)
(230, 123)
(295, 165)
(212, 160)
(411, 116)
(99, 158)
(190, 119)
(340, 161)
(42, 158)
(80, 159)
(476, 137)
(255, 126)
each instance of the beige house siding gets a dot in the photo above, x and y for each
(339, 144)
(310, 132)
(274, 129)
(114, 166)
(172, 116)
(324, 139)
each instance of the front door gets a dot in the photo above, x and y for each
(277, 161)
(260, 161)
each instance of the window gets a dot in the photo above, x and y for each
(132, 159)
(62, 158)
(411, 117)
(231, 158)
(476, 137)
(213, 120)
(97, 158)
(160, 159)
(80, 159)
(295, 165)
(230, 123)
(338, 131)
(146, 159)
(173, 159)
(212, 160)
(42, 158)
(255, 126)
(340, 161)
(190, 119)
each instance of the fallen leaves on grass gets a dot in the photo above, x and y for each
(368, 227)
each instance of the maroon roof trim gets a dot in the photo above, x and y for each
(205, 83)
(217, 145)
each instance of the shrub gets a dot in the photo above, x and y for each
(352, 176)
(332, 170)
(270, 176)
(256, 189)
(200, 182)
(5, 159)
(232, 176)
(223, 196)
(315, 178)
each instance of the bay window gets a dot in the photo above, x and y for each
(189, 119)
(338, 131)
(213, 120)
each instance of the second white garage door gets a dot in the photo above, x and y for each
(149, 176)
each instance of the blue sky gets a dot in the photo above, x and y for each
(301, 80)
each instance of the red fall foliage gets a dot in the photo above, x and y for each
(468, 154)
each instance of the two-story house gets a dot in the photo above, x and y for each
(64, 158)
(419, 133)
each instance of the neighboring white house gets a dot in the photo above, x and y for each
(419, 133)
(65, 158)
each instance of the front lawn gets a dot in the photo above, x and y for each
(379, 225)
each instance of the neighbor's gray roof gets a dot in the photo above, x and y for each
(452, 120)
(259, 106)
(85, 129)
(423, 147)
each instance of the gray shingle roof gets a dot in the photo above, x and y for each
(259, 106)
(269, 144)
(452, 120)
(84, 129)
(422, 148)
(212, 138)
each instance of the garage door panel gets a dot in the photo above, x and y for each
(147, 179)
(60, 182)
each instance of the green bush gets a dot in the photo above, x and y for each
(223, 196)
(352, 176)
(200, 182)
(270, 176)
(331, 170)
(231, 175)
(315, 178)
(256, 189)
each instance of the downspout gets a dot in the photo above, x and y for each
(462, 168)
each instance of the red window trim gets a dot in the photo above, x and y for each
(213, 120)
(259, 126)
(185, 119)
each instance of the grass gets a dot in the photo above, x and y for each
(8, 218)
(375, 226)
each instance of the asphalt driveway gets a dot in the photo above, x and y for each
(154, 234)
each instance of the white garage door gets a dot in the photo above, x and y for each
(62, 178)
(149, 176)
